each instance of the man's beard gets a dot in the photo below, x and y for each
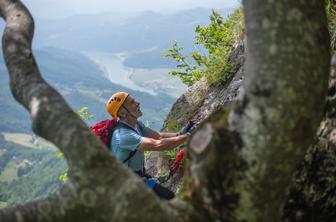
(136, 114)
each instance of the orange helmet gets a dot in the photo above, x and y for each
(115, 102)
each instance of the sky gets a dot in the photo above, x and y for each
(63, 8)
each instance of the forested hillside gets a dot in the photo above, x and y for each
(21, 177)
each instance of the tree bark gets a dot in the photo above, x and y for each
(312, 195)
(239, 170)
(287, 68)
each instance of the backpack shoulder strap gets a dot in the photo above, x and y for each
(132, 153)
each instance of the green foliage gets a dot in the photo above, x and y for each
(219, 71)
(147, 153)
(84, 113)
(172, 126)
(331, 15)
(171, 154)
(217, 39)
(59, 155)
(64, 176)
(187, 72)
(217, 35)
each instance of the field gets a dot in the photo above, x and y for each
(28, 140)
(9, 174)
(158, 80)
(2, 152)
(3, 204)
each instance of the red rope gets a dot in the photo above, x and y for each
(177, 163)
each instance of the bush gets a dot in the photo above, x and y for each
(172, 126)
(217, 39)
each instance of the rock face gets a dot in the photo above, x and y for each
(201, 100)
(312, 194)
(198, 103)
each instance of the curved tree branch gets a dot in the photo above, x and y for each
(99, 187)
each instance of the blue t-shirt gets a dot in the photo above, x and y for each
(125, 140)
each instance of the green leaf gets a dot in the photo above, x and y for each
(59, 155)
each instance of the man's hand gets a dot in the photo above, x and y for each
(189, 128)
(186, 128)
(192, 129)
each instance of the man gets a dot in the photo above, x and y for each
(131, 138)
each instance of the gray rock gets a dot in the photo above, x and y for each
(198, 102)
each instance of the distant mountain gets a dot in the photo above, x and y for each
(144, 36)
(104, 32)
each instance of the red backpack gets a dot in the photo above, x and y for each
(104, 129)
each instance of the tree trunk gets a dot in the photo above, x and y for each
(287, 69)
(312, 195)
(239, 170)
(288, 63)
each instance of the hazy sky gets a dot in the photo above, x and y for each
(61, 8)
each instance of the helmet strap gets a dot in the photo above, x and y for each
(131, 114)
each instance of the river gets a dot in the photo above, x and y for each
(112, 66)
(151, 81)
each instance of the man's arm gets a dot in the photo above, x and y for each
(168, 135)
(150, 144)
(160, 135)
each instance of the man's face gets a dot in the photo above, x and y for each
(133, 107)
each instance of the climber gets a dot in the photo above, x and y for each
(130, 138)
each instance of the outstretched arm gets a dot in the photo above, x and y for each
(150, 144)
(168, 135)
(191, 125)
(160, 135)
